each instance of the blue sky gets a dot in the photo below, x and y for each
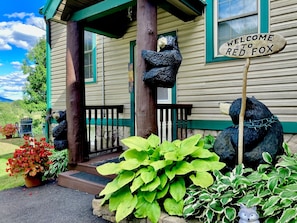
(21, 26)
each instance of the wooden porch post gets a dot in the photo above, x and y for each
(75, 93)
(146, 97)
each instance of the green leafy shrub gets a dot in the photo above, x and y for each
(272, 188)
(59, 164)
(154, 177)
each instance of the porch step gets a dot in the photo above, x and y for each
(90, 166)
(85, 176)
(83, 181)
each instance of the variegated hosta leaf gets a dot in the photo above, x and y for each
(188, 211)
(267, 157)
(230, 213)
(288, 215)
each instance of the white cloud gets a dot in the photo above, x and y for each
(36, 21)
(17, 65)
(3, 44)
(20, 15)
(23, 33)
(11, 85)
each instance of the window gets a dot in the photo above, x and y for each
(89, 57)
(228, 19)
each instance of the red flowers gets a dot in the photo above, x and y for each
(8, 129)
(31, 158)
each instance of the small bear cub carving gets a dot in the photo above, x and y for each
(248, 215)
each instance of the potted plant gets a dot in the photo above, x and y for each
(8, 130)
(31, 160)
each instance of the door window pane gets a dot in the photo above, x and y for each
(162, 94)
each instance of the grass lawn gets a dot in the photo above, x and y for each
(7, 147)
(6, 151)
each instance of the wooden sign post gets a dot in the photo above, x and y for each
(248, 46)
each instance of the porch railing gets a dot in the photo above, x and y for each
(173, 121)
(103, 125)
(103, 128)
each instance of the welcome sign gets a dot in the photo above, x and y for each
(247, 46)
(253, 45)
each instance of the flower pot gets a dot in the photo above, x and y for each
(8, 136)
(32, 181)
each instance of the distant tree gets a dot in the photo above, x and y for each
(35, 89)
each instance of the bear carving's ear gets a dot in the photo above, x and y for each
(162, 42)
(225, 107)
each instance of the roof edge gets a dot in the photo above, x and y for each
(50, 9)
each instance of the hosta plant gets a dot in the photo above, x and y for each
(153, 176)
(59, 164)
(271, 188)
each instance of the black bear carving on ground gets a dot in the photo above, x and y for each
(262, 133)
(162, 66)
(60, 131)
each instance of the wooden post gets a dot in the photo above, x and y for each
(146, 97)
(242, 112)
(75, 93)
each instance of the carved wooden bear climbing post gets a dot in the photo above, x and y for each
(162, 64)
(247, 46)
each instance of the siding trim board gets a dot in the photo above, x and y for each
(48, 66)
(288, 127)
(132, 93)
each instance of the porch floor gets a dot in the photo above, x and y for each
(84, 177)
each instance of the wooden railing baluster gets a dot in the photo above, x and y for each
(103, 128)
(176, 120)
